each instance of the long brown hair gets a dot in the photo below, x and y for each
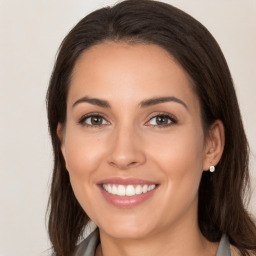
(221, 196)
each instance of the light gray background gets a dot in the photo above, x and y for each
(30, 33)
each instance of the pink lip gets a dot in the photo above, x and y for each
(126, 201)
(125, 181)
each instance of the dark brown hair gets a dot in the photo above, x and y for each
(221, 195)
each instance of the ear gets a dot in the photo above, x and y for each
(214, 145)
(60, 133)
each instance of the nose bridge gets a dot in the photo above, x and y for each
(126, 150)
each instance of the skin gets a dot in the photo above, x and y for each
(130, 143)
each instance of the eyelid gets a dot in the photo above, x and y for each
(97, 114)
(173, 119)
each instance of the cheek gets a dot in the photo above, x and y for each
(183, 148)
(82, 154)
(180, 157)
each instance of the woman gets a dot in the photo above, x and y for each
(148, 139)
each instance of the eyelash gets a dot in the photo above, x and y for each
(83, 118)
(173, 120)
(161, 114)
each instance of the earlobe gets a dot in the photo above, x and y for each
(214, 145)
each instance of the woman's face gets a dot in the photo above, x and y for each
(133, 140)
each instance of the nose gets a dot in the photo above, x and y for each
(126, 150)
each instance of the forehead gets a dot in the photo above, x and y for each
(129, 72)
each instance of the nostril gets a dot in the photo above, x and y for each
(124, 165)
(133, 163)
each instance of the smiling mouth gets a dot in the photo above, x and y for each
(128, 190)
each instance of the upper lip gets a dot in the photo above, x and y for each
(125, 181)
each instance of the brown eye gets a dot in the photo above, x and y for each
(161, 120)
(96, 120)
(93, 120)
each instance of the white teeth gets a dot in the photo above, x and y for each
(114, 190)
(138, 190)
(151, 187)
(145, 188)
(120, 190)
(129, 190)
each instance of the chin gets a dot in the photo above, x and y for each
(127, 232)
(126, 229)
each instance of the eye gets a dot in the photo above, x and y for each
(161, 120)
(93, 120)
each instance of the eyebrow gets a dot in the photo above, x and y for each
(143, 104)
(154, 101)
(93, 101)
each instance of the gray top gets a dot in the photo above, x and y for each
(89, 245)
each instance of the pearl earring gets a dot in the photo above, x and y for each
(212, 168)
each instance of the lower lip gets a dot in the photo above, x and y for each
(126, 201)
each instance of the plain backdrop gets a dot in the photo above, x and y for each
(30, 33)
